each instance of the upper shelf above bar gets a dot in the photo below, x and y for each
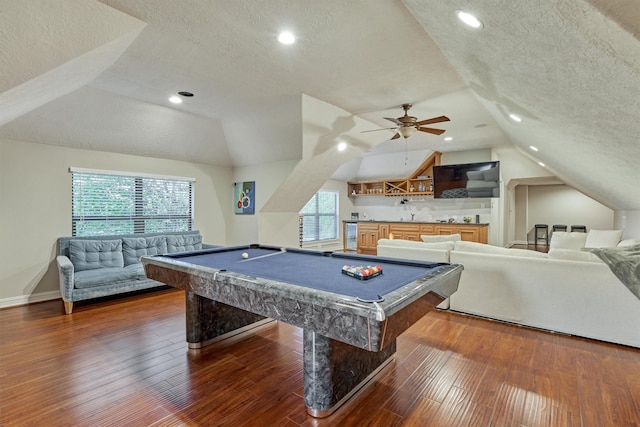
(420, 183)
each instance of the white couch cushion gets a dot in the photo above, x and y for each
(495, 250)
(603, 238)
(629, 242)
(567, 240)
(428, 238)
(573, 255)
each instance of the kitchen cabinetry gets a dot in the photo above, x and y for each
(368, 236)
(369, 232)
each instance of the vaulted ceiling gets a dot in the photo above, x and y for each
(97, 75)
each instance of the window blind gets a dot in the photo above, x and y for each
(104, 204)
(320, 217)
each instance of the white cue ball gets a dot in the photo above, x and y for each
(245, 255)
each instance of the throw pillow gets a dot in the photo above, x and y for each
(427, 238)
(567, 240)
(628, 242)
(603, 238)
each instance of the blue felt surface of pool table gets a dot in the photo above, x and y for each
(313, 269)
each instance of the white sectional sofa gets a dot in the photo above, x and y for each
(569, 290)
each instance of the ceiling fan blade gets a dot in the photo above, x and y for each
(432, 130)
(375, 130)
(396, 136)
(433, 120)
(396, 121)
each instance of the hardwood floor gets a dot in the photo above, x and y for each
(125, 363)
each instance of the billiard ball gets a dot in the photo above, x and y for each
(245, 255)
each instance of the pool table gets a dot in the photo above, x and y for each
(349, 325)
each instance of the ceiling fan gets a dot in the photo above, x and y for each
(407, 125)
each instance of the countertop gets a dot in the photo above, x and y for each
(411, 222)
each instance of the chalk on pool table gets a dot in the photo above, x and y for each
(245, 255)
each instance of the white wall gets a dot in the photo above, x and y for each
(629, 223)
(561, 204)
(245, 229)
(35, 208)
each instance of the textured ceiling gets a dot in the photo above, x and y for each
(97, 74)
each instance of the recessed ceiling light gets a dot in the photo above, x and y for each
(286, 37)
(448, 138)
(515, 118)
(342, 146)
(468, 19)
(175, 99)
(533, 148)
(541, 164)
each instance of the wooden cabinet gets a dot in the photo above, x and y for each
(470, 233)
(368, 236)
(370, 232)
(404, 231)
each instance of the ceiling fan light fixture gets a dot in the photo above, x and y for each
(407, 131)
(469, 19)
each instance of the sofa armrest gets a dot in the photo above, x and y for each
(65, 276)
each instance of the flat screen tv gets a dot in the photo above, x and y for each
(466, 180)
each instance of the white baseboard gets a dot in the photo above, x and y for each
(29, 299)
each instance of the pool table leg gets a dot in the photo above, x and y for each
(211, 321)
(335, 371)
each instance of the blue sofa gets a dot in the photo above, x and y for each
(98, 266)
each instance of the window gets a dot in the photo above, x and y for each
(320, 217)
(118, 203)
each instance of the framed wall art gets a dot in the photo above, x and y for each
(244, 197)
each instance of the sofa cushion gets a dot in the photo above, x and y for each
(186, 243)
(483, 248)
(400, 243)
(567, 240)
(427, 238)
(103, 276)
(137, 270)
(135, 247)
(573, 255)
(603, 238)
(628, 242)
(94, 254)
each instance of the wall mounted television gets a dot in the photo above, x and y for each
(466, 180)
